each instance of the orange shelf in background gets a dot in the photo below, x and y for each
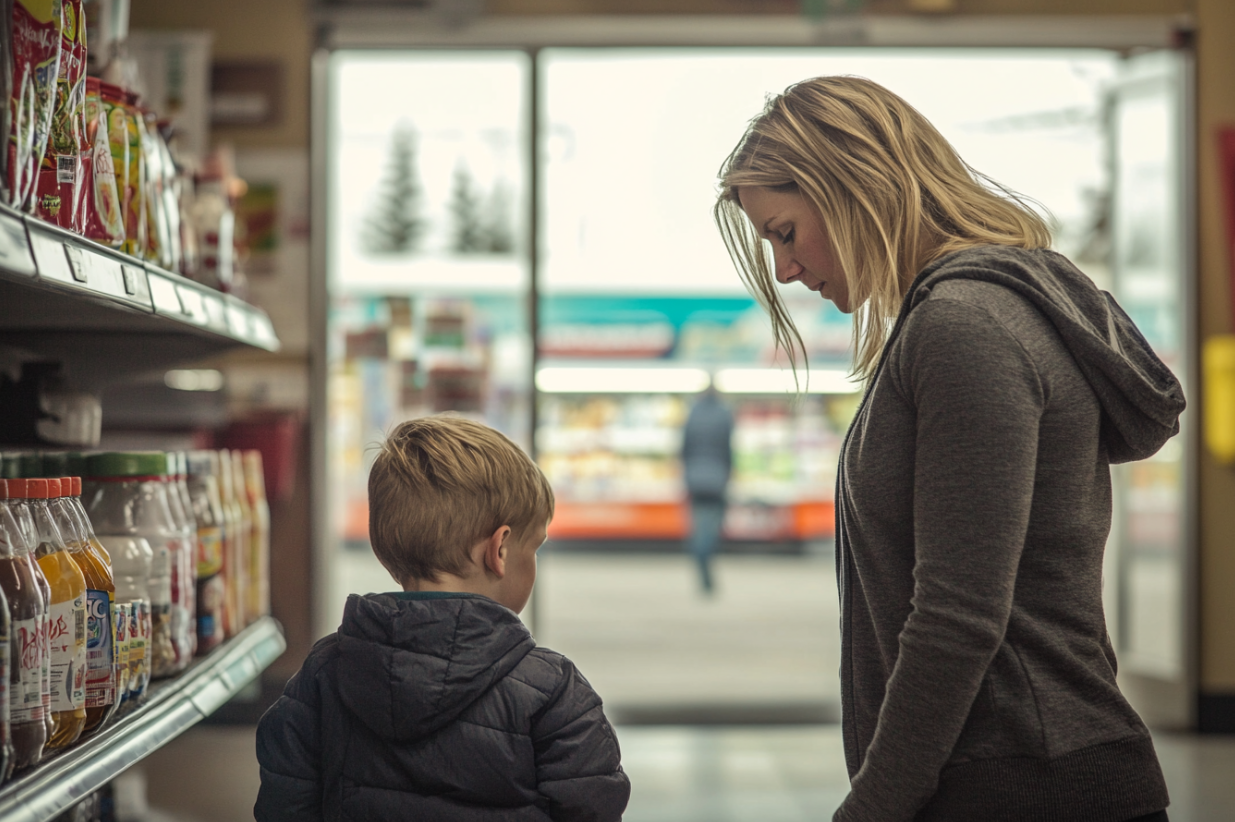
(671, 520)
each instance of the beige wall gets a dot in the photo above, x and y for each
(280, 30)
(1216, 105)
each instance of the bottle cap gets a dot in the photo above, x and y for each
(4, 489)
(126, 464)
(76, 489)
(16, 488)
(37, 488)
(54, 488)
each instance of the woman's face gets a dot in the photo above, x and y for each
(801, 247)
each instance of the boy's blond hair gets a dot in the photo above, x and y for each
(443, 483)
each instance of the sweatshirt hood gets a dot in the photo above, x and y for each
(1141, 399)
(411, 665)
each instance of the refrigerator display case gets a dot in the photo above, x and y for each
(616, 382)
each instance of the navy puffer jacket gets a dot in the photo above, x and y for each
(437, 708)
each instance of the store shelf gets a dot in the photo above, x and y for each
(107, 315)
(171, 707)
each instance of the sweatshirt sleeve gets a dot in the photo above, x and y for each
(289, 753)
(578, 762)
(978, 403)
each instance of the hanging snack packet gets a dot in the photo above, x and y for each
(60, 181)
(152, 191)
(6, 90)
(136, 238)
(101, 214)
(36, 68)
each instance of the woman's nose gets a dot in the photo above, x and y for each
(786, 268)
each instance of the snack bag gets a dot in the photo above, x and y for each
(102, 218)
(136, 237)
(60, 182)
(36, 69)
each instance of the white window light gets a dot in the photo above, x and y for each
(780, 381)
(194, 379)
(581, 380)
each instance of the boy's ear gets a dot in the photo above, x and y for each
(496, 550)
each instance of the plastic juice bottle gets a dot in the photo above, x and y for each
(259, 567)
(100, 596)
(131, 561)
(207, 507)
(66, 626)
(184, 574)
(6, 732)
(122, 612)
(186, 521)
(180, 488)
(131, 501)
(235, 564)
(25, 513)
(27, 726)
(247, 528)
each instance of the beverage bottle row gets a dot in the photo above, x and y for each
(62, 657)
(162, 557)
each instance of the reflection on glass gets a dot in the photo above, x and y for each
(427, 269)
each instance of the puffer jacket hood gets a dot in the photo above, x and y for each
(1141, 399)
(435, 657)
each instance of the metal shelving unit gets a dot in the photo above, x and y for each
(171, 706)
(106, 317)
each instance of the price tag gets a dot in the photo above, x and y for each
(216, 314)
(163, 291)
(238, 322)
(53, 263)
(193, 303)
(15, 255)
(77, 262)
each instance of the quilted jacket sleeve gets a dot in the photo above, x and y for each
(289, 753)
(578, 763)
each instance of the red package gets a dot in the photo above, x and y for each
(36, 68)
(102, 216)
(60, 183)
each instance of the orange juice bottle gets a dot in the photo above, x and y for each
(95, 566)
(236, 546)
(259, 561)
(66, 622)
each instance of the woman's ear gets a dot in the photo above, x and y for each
(496, 551)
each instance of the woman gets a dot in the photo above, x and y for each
(973, 497)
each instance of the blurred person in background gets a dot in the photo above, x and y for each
(707, 462)
(973, 498)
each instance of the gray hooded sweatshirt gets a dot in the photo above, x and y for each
(973, 508)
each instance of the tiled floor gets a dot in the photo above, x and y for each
(765, 645)
(678, 774)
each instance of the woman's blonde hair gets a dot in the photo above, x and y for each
(892, 193)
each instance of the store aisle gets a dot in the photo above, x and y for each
(677, 773)
(764, 648)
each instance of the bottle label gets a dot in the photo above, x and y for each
(121, 613)
(26, 701)
(100, 650)
(209, 551)
(140, 631)
(45, 660)
(66, 634)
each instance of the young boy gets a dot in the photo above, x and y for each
(436, 703)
